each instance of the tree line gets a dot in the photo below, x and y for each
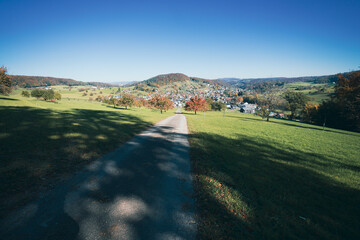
(46, 94)
(159, 102)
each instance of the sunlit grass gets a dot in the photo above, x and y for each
(42, 142)
(274, 180)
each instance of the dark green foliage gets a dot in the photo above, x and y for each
(343, 109)
(45, 94)
(296, 101)
(263, 112)
(5, 82)
(218, 106)
(48, 94)
(250, 99)
(25, 94)
(37, 93)
(268, 103)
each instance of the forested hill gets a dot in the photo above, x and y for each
(313, 79)
(166, 79)
(36, 81)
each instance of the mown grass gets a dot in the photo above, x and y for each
(43, 142)
(274, 180)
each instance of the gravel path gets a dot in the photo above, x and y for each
(142, 190)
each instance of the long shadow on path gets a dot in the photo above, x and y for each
(143, 190)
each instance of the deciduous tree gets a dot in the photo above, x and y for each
(127, 100)
(218, 106)
(343, 109)
(48, 94)
(37, 93)
(239, 100)
(5, 82)
(57, 96)
(309, 111)
(25, 94)
(196, 104)
(113, 101)
(347, 96)
(268, 104)
(296, 101)
(162, 103)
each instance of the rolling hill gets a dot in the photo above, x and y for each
(167, 79)
(37, 81)
(313, 79)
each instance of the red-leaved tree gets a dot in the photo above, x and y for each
(162, 103)
(196, 104)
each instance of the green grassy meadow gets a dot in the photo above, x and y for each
(274, 180)
(42, 142)
(315, 96)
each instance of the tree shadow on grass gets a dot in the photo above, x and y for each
(140, 191)
(40, 146)
(286, 192)
(117, 107)
(8, 99)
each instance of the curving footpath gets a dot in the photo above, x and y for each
(142, 190)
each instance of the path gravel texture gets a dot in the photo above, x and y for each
(142, 190)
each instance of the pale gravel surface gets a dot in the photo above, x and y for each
(142, 190)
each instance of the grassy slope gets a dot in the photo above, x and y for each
(41, 142)
(274, 180)
(315, 97)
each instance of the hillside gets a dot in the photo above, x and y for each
(313, 79)
(167, 79)
(37, 81)
(273, 180)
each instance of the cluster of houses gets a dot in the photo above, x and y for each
(179, 98)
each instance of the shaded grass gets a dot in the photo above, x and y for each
(274, 180)
(42, 143)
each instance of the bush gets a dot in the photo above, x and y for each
(48, 94)
(37, 93)
(25, 94)
(218, 106)
(57, 96)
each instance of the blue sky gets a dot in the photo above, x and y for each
(134, 40)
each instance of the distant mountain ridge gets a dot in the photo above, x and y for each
(38, 81)
(315, 79)
(165, 79)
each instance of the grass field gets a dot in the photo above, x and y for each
(315, 96)
(43, 142)
(274, 180)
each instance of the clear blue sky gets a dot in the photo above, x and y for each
(134, 40)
